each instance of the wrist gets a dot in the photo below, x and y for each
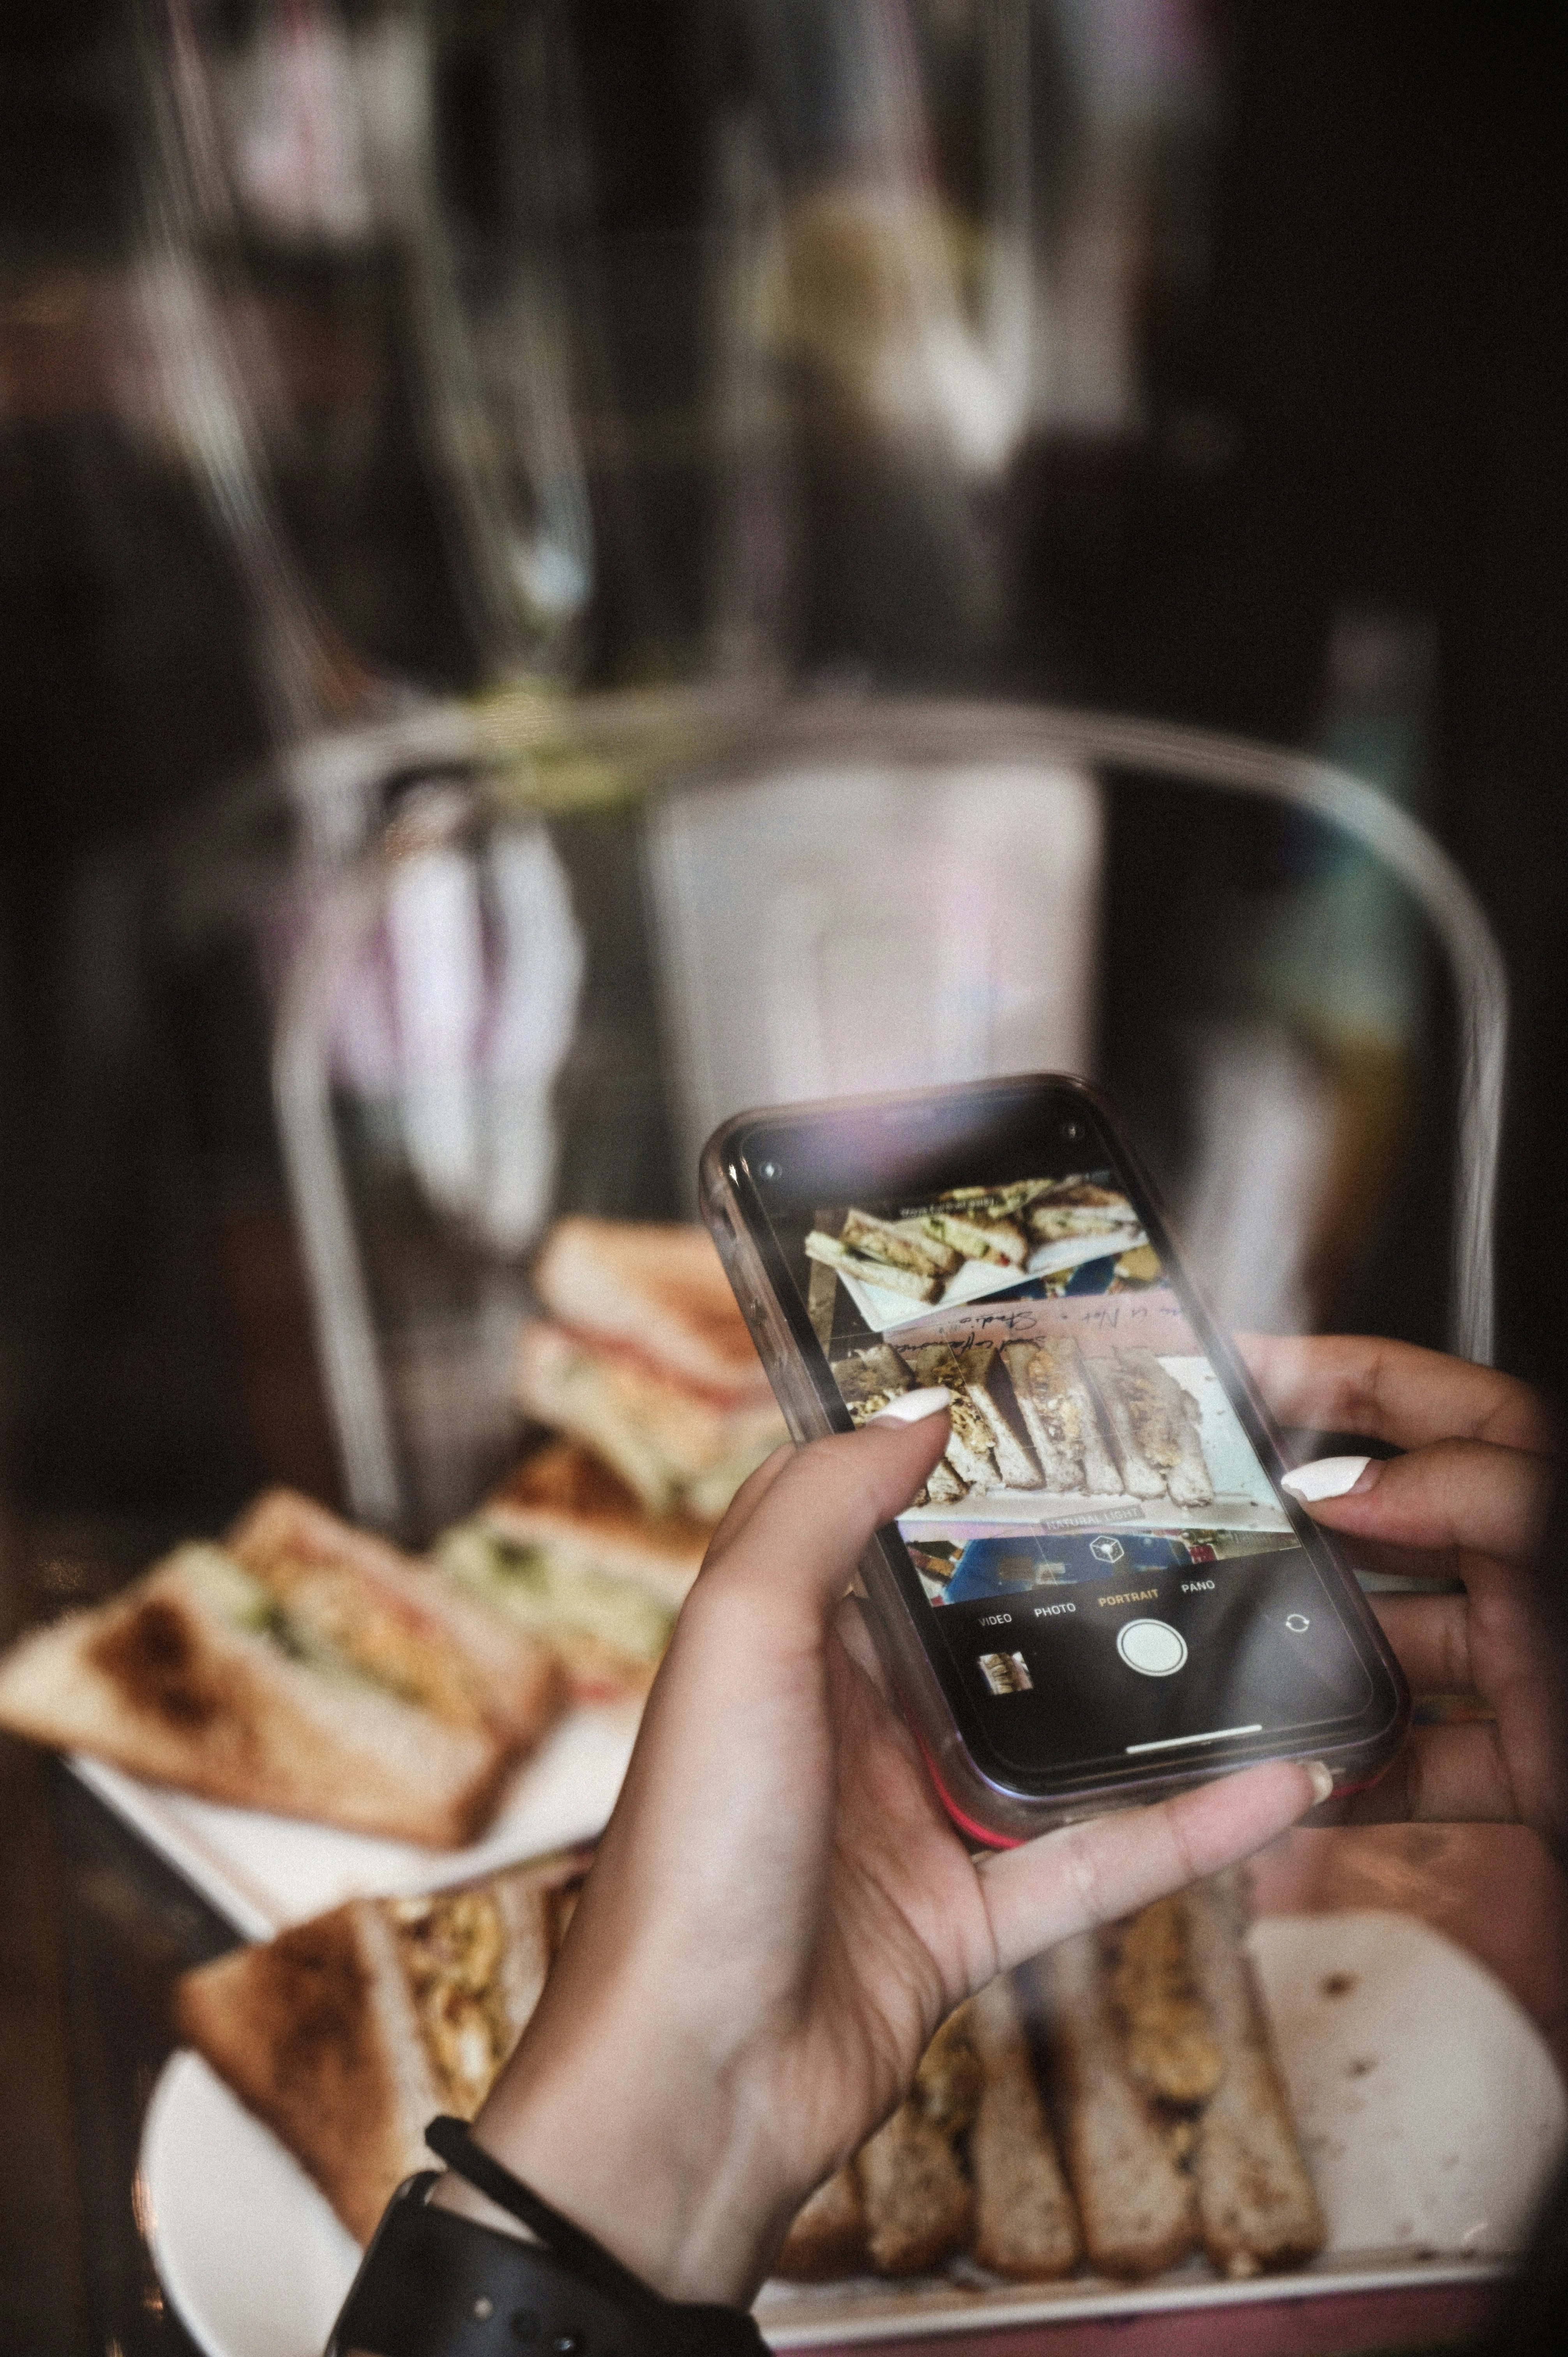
(638, 2141)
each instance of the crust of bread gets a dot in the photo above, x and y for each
(658, 1289)
(563, 1496)
(162, 1686)
(316, 2033)
(518, 1680)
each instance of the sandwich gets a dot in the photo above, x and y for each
(983, 1451)
(565, 1552)
(868, 1380)
(874, 1268)
(383, 1606)
(1078, 1207)
(347, 2035)
(303, 1668)
(644, 1358)
(898, 1255)
(977, 1228)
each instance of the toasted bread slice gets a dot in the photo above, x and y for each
(918, 2205)
(194, 1677)
(347, 2035)
(659, 1290)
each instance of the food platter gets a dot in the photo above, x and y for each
(263, 1873)
(1429, 2105)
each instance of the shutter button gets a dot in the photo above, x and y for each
(1152, 1647)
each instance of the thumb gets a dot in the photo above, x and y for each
(809, 1526)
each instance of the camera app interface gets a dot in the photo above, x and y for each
(1107, 1558)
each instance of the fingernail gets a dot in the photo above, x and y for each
(1328, 1477)
(1320, 1777)
(913, 1408)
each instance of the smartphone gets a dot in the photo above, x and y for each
(1102, 1594)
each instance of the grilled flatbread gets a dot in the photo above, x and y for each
(1154, 1426)
(1135, 2205)
(1025, 2222)
(1255, 2198)
(828, 2237)
(1171, 2047)
(1063, 1417)
(348, 2034)
(917, 2201)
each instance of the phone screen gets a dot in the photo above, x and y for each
(1111, 1572)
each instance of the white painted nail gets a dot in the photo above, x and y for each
(1321, 1780)
(913, 1408)
(1326, 1477)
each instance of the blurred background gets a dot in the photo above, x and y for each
(543, 551)
(373, 374)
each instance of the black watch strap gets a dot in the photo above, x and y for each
(436, 2285)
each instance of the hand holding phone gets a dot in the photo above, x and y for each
(780, 1912)
(1102, 1593)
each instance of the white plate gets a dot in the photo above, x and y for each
(1429, 2105)
(263, 1872)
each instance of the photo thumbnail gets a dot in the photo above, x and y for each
(1006, 1674)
